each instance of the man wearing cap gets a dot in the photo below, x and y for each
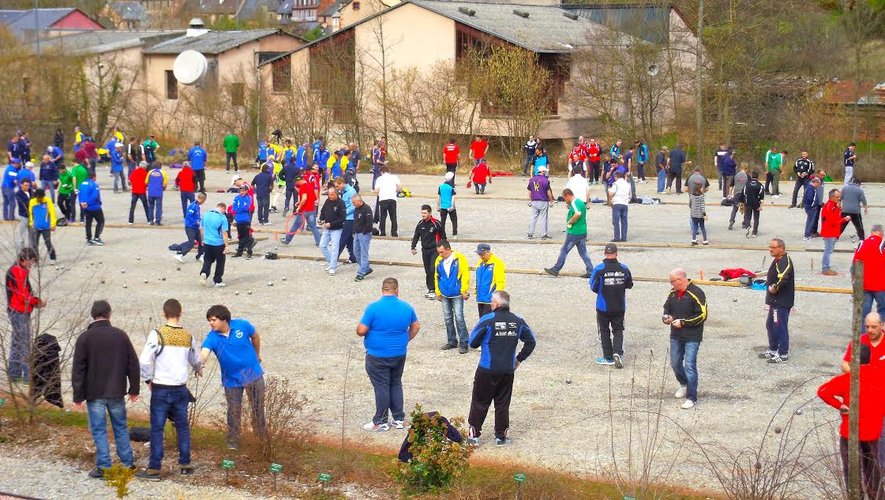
(489, 278)
(576, 234)
(452, 282)
(198, 156)
(10, 181)
(610, 281)
(540, 197)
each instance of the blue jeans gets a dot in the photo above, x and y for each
(777, 326)
(829, 246)
(619, 221)
(187, 197)
(386, 375)
(309, 219)
(811, 216)
(662, 180)
(330, 238)
(684, 360)
(453, 317)
(49, 187)
(97, 410)
(119, 178)
(8, 204)
(361, 250)
(571, 241)
(19, 362)
(155, 208)
(697, 224)
(868, 298)
(169, 402)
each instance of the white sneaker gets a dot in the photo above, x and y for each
(399, 424)
(680, 393)
(429, 295)
(200, 258)
(203, 278)
(372, 427)
(179, 258)
(331, 272)
(687, 405)
(220, 285)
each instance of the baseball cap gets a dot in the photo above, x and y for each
(450, 175)
(29, 164)
(483, 248)
(243, 187)
(15, 160)
(610, 249)
(542, 168)
(234, 180)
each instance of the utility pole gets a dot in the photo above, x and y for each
(699, 111)
(854, 491)
(37, 23)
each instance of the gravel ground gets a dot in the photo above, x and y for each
(567, 413)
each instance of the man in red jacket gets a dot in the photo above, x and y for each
(481, 176)
(872, 253)
(20, 301)
(830, 228)
(186, 186)
(835, 393)
(138, 181)
(451, 155)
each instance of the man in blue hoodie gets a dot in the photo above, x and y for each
(156, 184)
(41, 213)
(192, 220)
(197, 156)
(346, 192)
(321, 159)
(90, 205)
(117, 167)
(242, 208)
(10, 181)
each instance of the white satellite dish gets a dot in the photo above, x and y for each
(190, 67)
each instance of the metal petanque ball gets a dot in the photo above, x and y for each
(283, 278)
(778, 430)
(568, 381)
(798, 411)
(236, 293)
(249, 292)
(145, 282)
(123, 271)
(124, 286)
(270, 283)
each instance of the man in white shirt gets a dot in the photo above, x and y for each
(619, 196)
(387, 186)
(578, 184)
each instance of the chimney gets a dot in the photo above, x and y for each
(196, 28)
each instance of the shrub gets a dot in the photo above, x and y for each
(287, 415)
(436, 461)
(118, 477)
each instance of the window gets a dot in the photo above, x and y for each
(171, 86)
(282, 74)
(356, 5)
(238, 94)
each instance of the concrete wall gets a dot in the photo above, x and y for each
(349, 15)
(412, 37)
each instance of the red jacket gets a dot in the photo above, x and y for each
(830, 220)
(138, 179)
(481, 173)
(451, 152)
(19, 296)
(872, 253)
(872, 401)
(185, 180)
(593, 151)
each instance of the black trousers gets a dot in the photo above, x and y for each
(870, 473)
(200, 180)
(214, 254)
(134, 202)
(263, 201)
(244, 237)
(484, 308)
(445, 214)
(98, 217)
(751, 212)
(857, 220)
(47, 238)
(67, 203)
(232, 156)
(193, 238)
(429, 256)
(488, 387)
(593, 174)
(611, 333)
(675, 174)
(292, 193)
(735, 205)
(385, 208)
(801, 182)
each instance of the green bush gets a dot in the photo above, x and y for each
(436, 461)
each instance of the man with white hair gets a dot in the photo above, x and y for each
(685, 312)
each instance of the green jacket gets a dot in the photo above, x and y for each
(65, 182)
(231, 143)
(773, 160)
(80, 174)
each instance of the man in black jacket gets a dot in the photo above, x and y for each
(430, 232)
(610, 281)
(803, 167)
(754, 193)
(362, 235)
(685, 311)
(498, 334)
(779, 297)
(332, 220)
(103, 361)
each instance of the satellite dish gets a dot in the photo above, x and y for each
(190, 67)
(653, 69)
